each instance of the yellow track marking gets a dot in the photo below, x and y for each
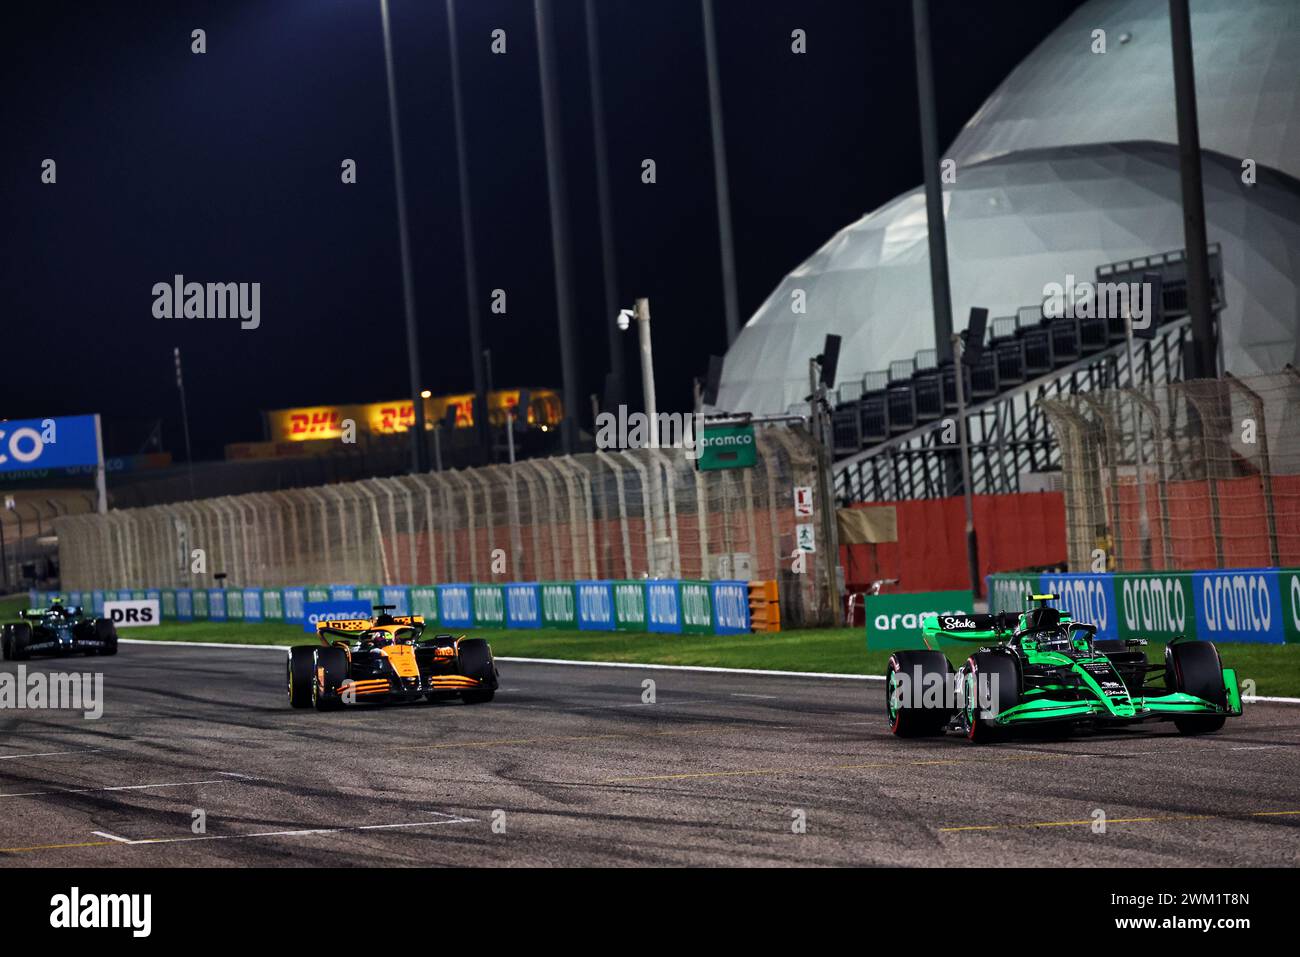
(53, 847)
(1120, 820)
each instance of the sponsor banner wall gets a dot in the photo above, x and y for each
(272, 604)
(315, 611)
(424, 601)
(1087, 598)
(629, 606)
(663, 606)
(456, 606)
(595, 605)
(295, 604)
(559, 605)
(1239, 605)
(489, 606)
(1227, 605)
(697, 608)
(235, 604)
(523, 605)
(398, 596)
(894, 621)
(730, 608)
(1007, 592)
(216, 610)
(1158, 606)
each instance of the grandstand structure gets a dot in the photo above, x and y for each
(895, 430)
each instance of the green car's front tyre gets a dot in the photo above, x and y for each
(992, 685)
(1194, 667)
(906, 677)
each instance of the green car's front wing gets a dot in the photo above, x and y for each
(1117, 708)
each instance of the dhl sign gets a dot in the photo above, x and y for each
(387, 418)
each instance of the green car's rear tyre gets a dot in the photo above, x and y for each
(475, 661)
(329, 670)
(1000, 676)
(299, 675)
(906, 677)
(1194, 667)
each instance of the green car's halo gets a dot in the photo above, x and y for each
(1039, 666)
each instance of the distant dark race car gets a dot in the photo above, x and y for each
(56, 631)
(387, 658)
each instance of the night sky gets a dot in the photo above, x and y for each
(226, 167)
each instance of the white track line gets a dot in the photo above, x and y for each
(111, 837)
(121, 787)
(46, 754)
(629, 664)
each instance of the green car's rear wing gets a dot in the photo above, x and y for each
(974, 628)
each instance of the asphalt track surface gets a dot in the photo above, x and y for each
(574, 768)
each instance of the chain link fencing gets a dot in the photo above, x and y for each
(639, 513)
(1203, 474)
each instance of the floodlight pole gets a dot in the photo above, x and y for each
(558, 196)
(641, 312)
(185, 421)
(940, 291)
(480, 405)
(604, 205)
(959, 373)
(419, 456)
(731, 305)
(1204, 347)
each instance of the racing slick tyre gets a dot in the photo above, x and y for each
(911, 719)
(329, 670)
(1193, 667)
(475, 661)
(19, 637)
(106, 632)
(1001, 674)
(300, 674)
(4, 642)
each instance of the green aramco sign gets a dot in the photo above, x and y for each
(727, 447)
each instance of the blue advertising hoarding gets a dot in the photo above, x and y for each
(456, 606)
(523, 605)
(315, 611)
(64, 442)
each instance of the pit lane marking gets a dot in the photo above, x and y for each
(1122, 820)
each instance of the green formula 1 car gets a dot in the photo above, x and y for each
(1038, 666)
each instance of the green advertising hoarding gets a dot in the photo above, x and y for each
(1158, 606)
(559, 605)
(489, 606)
(273, 604)
(726, 447)
(629, 606)
(697, 608)
(424, 602)
(894, 621)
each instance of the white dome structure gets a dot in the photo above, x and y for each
(1247, 56)
(1057, 174)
